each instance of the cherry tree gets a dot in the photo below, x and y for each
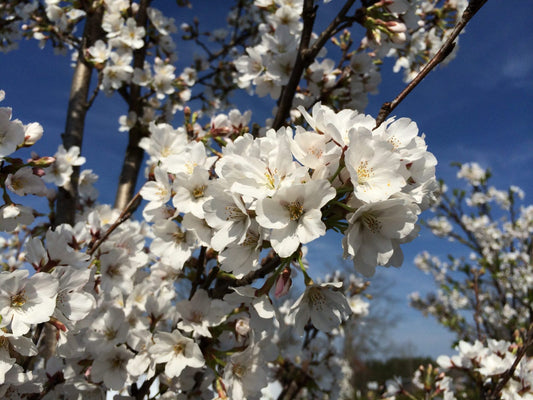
(187, 300)
(483, 293)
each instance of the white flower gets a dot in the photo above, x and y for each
(85, 185)
(201, 312)
(194, 155)
(294, 215)
(375, 232)
(11, 132)
(163, 78)
(25, 301)
(110, 367)
(13, 215)
(249, 66)
(244, 257)
(117, 71)
(314, 150)
(126, 122)
(59, 172)
(164, 25)
(227, 214)
(99, 52)
(157, 192)
(163, 142)
(373, 167)
(172, 244)
(132, 35)
(72, 302)
(337, 126)
(177, 351)
(108, 330)
(24, 181)
(190, 192)
(473, 173)
(10, 344)
(32, 133)
(260, 169)
(245, 373)
(325, 307)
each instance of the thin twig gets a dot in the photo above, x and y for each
(528, 342)
(200, 269)
(477, 305)
(96, 90)
(444, 51)
(124, 215)
(306, 54)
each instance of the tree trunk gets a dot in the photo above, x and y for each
(134, 154)
(67, 197)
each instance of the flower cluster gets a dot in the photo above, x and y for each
(267, 66)
(212, 214)
(497, 232)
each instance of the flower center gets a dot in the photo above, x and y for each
(238, 370)
(113, 271)
(19, 299)
(251, 239)
(271, 179)
(110, 334)
(179, 348)
(16, 184)
(364, 172)
(371, 222)
(198, 191)
(295, 210)
(234, 213)
(196, 316)
(316, 298)
(395, 142)
(190, 167)
(178, 236)
(316, 152)
(117, 362)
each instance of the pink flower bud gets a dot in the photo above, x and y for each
(42, 162)
(395, 26)
(283, 283)
(38, 171)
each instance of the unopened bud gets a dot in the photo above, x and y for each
(187, 114)
(42, 162)
(242, 326)
(283, 283)
(32, 133)
(395, 26)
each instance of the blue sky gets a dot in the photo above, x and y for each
(478, 108)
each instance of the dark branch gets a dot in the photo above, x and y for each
(444, 51)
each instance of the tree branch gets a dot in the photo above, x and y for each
(223, 284)
(444, 51)
(67, 197)
(306, 55)
(126, 213)
(528, 342)
(134, 154)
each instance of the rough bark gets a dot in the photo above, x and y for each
(67, 197)
(134, 154)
